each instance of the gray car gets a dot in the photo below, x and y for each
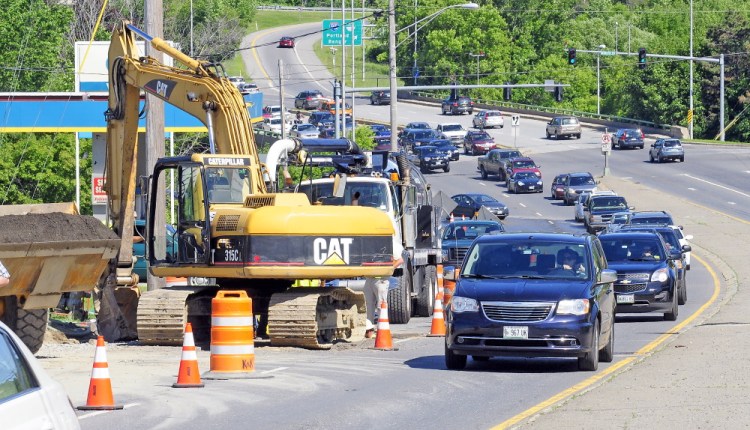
(575, 184)
(666, 149)
(304, 131)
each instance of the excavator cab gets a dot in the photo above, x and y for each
(202, 183)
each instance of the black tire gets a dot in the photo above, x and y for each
(427, 290)
(578, 136)
(454, 361)
(447, 168)
(650, 157)
(30, 325)
(466, 150)
(483, 172)
(682, 159)
(682, 298)
(590, 362)
(675, 311)
(607, 354)
(549, 136)
(399, 301)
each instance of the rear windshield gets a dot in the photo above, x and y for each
(669, 143)
(569, 121)
(493, 113)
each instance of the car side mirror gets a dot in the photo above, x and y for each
(449, 273)
(686, 248)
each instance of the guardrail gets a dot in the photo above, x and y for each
(549, 112)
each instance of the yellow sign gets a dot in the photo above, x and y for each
(690, 116)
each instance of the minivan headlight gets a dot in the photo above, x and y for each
(660, 275)
(574, 307)
(464, 304)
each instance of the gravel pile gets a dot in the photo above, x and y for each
(52, 227)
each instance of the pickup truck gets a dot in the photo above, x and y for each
(494, 162)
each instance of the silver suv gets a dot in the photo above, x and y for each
(564, 126)
(307, 100)
(666, 149)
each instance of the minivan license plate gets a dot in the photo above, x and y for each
(627, 299)
(516, 332)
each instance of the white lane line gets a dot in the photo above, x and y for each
(483, 184)
(93, 414)
(522, 205)
(691, 189)
(278, 369)
(731, 203)
(538, 214)
(717, 185)
(550, 222)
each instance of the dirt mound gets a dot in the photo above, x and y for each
(52, 227)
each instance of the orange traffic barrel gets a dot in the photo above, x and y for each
(449, 287)
(440, 282)
(232, 337)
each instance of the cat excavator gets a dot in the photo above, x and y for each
(230, 230)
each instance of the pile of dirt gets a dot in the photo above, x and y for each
(68, 332)
(52, 227)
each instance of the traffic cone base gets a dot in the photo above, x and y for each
(100, 388)
(188, 376)
(383, 339)
(438, 321)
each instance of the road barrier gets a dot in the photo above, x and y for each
(232, 337)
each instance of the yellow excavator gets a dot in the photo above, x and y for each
(230, 231)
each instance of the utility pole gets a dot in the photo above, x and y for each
(281, 99)
(154, 15)
(477, 56)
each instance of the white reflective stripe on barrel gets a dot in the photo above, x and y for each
(232, 321)
(232, 349)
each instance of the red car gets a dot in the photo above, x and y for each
(519, 164)
(478, 142)
(558, 187)
(286, 42)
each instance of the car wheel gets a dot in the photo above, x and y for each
(422, 169)
(590, 362)
(454, 361)
(578, 136)
(447, 168)
(672, 314)
(651, 157)
(682, 159)
(481, 358)
(682, 299)
(548, 135)
(659, 160)
(607, 354)
(483, 172)
(466, 150)
(425, 281)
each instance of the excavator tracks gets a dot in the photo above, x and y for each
(162, 315)
(315, 318)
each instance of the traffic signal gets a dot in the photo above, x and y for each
(558, 93)
(506, 92)
(572, 56)
(641, 58)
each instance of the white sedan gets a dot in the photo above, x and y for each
(273, 125)
(488, 119)
(29, 397)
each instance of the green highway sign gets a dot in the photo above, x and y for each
(334, 34)
(608, 52)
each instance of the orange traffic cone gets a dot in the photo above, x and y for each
(100, 387)
(383, 339)
(189, 376)
(438, 323)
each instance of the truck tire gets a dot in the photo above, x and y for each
(427, 290)
(30, 325)
(399, 301)
(483, 172)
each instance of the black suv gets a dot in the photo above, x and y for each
(380, 98)
(651, 218)
(460, 105)
(429, 158)
(674, 247)
(320, 117)
(308, 99)
(646, 273)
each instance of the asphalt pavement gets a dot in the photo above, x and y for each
(697, 378)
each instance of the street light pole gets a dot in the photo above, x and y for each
(414, 68)
(690, 123)
(392, 57)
